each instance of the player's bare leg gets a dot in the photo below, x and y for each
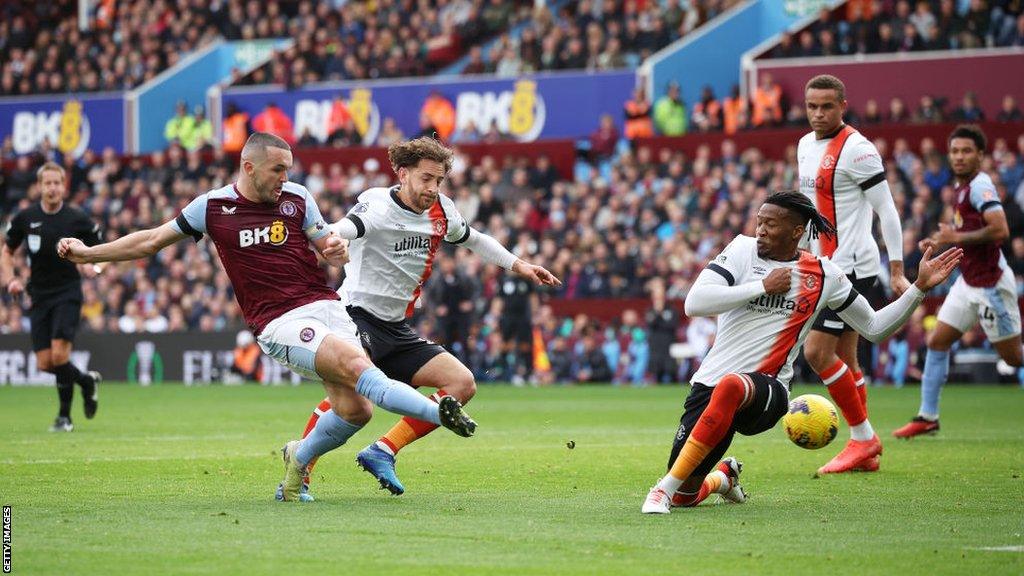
(861, 451)
(344, 366)
(451, 378)
(936, 369)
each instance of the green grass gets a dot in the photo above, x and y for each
(171, 479)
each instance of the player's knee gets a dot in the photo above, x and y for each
(462, 387)
(1015, 357)
(732, 387)
(819, 358)
(938, 343)
(357, 411)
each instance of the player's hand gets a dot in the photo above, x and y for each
(537, 274)
(72, 249)
(15, 287)
(777, 281)
(926, 244)
(336, 251)
(934, 271)
(945, 235)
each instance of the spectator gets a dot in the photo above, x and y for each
(440, 112)
(1009, 112)
(201, 135)
(592, 366)
(872, 115)
(273, 120)
(339, 119)
(767, 103)
(927, 112)
(734, 112)
(181, 126)
(670, 112)
(662, 324)
(390, 133)
(969, 110)
(897, 111)
(236, 129)
(707, 113)
(246, 361)
(638, 116)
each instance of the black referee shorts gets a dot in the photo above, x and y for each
(771, 400)
(394, 347)
(829, 322)
(54, 319)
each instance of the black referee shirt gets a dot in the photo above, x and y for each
(51, 274)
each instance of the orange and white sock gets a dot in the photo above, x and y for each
(843, 389)
(714, 483)
(731, 394)
(408, 430)
(862, 390)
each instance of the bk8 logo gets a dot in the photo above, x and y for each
(276, 234)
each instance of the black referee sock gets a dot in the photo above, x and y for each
(65, 388)
(73, 375)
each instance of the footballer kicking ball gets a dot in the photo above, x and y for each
(811, 422)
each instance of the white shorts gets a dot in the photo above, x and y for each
(294, 337)
(995, 307)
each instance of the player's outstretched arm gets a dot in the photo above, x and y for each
(877, 326)
(712, 295)
(141, 244)
(492, 252)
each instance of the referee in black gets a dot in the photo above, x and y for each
(55, 286)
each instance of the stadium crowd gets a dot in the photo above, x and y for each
(872, 27)
(638, 225)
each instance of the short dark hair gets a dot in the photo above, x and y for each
(260, 141)
(804, 209)
(971, 132)
(409, 153)
(827, 82)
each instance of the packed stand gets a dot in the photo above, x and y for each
(386, 39)
(643, 230)
(42, 50)
(768, 106)
(874, 27)
(594, 35)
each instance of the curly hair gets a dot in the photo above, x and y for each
(409, 153)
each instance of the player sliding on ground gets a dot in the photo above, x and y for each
(766, 294)
(985, 290)
(263, 226)
(396, 233)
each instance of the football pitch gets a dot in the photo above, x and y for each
(170, 479)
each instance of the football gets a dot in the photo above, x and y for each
(811, 422)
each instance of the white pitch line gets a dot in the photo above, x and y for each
(999, 548)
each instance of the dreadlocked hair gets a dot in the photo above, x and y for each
(802, 205)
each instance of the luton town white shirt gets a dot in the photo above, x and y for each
(393, 254)
(853, 187)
